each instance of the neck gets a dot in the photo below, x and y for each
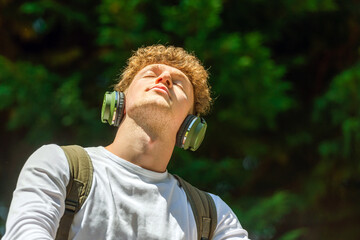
(150, 148)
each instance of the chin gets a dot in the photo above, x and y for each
(155, 103)
(150, 108)
(152, 116)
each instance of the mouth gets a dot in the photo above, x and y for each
(162, 89)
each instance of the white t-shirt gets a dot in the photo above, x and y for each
(125, 202)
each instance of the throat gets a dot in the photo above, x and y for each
(142, 146)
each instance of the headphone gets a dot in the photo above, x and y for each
(190, 135)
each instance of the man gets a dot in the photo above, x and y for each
(132, 195)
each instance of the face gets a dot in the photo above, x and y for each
(162, 89)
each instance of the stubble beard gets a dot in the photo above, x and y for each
(152, 115)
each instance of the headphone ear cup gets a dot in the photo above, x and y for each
(120, 109)
(191, 133)
(181, 133)
(113, 107)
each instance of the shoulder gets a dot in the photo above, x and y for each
(228, 225)
(49, 160)
(48, 151)
(47, 155)
(39, 198)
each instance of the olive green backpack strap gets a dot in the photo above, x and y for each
(203, 207)
(78, 188)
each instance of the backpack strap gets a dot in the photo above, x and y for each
(203, 207)
(78, 188)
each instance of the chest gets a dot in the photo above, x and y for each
(123, 205)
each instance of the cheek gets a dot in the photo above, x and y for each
(190, 101)
(186, 105)
(130, 95)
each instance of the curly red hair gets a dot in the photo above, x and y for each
(175, 57)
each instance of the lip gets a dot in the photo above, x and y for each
(163, 88)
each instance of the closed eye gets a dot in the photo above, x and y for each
(150, 74)
(179, 84)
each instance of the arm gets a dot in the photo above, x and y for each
(38, 200)
(228, 226)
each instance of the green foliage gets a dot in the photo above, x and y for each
(67, 13)
(251, 88)
(281, 146)
(40, 100)
(340, 106)
(3, 214)
(204, 17)
(263, 214)
(311, 5)
(220, 177)
(293, 234)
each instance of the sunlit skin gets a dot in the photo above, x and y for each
(157, 102)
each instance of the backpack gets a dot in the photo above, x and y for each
(78, 188)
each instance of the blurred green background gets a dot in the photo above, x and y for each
(282, 147)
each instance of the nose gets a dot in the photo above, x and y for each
(165, 78)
